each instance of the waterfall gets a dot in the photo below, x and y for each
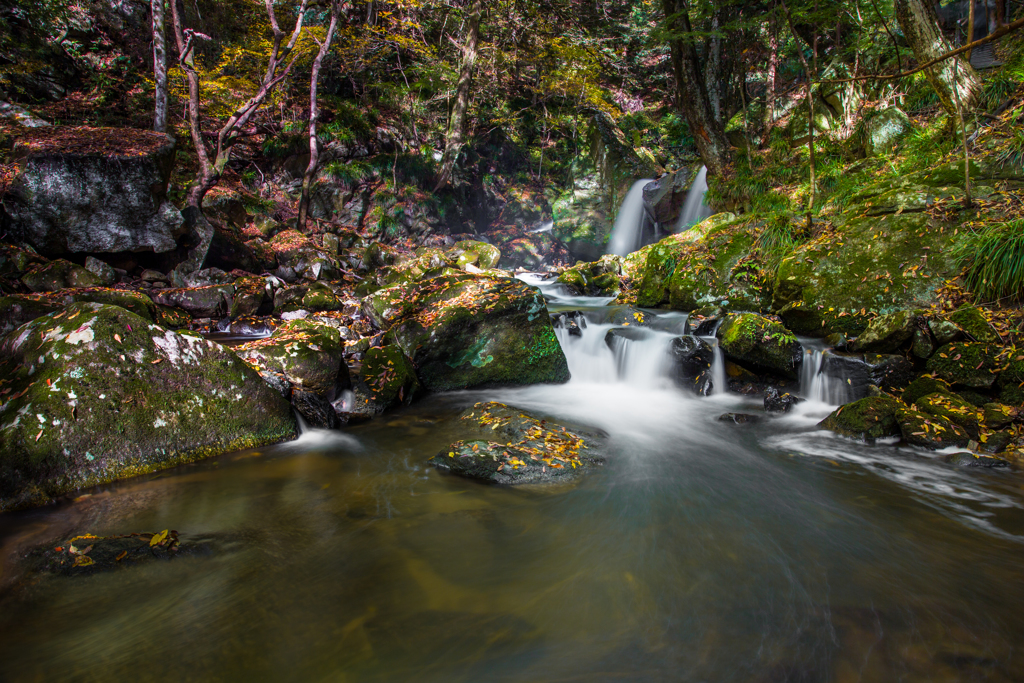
(694, 208)
(625, 237)
(817, 385)
(545, 227)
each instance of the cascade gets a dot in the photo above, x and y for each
(545, 227)
(694, 209)
(625, 237)
(817, 385)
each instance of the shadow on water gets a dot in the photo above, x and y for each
(702, 551)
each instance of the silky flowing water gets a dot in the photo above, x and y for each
(702, 551)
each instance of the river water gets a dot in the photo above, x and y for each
(702, 551)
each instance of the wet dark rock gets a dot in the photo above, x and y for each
(867, 419)
(997, 415)
(93, 190)
(102, 270)
(923, 345)
(251, 296)
(213, 301)
(615, 337)
(739, 418)
(706, 328)
(314, 409)
(997, 442)
(99, 394)
(692, 359)
(385, 379)
(887, 333)
(87, 554)
(862, 371)
(573, 321)
(968, 459)
(774, 402)
(529, 450)
(838, 341)
(18, 309)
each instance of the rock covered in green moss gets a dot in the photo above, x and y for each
(599, 278)
(473, 253)
(18, 309)
(868, 264)
(929, 430)
(760, 344)
(309, 355)
(887, 333)
(1010, 382)
(971, 320)
(952, 408)
(968, 364)
(99, 394)
(997, 415)
(385, 379)
(248, 297)
(868, 419)
(136, 302)
(922, 386)
(467, 330)
(529, 450)
(59, 274)
(884, 129)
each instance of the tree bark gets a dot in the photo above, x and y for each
(457, 123)
(691, 92)
(920, 26)
(212, 166)
(773, 67)
(159, 67)
(314, 114)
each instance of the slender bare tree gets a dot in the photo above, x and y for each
(457, 123)
(314, 114)
(159, 67)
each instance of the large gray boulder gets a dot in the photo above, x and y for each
(94, 394)
(93, 190)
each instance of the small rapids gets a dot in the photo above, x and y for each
(703, 550)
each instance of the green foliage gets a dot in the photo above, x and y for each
(777, 238)
(993, 259)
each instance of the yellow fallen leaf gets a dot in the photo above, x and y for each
(158, 538)
(83, 561)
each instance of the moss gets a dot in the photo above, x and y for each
(869, 418)
(321, 297)
(309, 354)
(969, 364)
(922, 386)
(171, 317)
(953, 409)
(136, 302)
(887, 333)
(100, 407)
(972, 321)
(1010, 382)
(386, 378)
(758, 343)
(929, 430)
(867, 266)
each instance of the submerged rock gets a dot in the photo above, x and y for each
(531, 450)
(466, 330)
(758, 343)
(738, 418)
(97, 394)
(967, 459)
(867, 419)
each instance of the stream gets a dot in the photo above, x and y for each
(702, 551)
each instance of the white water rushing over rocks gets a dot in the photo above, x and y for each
(625, 236)
(694, 208)
(703, 550)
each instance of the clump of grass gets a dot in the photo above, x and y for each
(777, 239)
(993, 260)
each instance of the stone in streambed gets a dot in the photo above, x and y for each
(212, 301)
(738, 418)
(530, 450)
(967, 364)
(18, 309)
(99, 394)
(59, 274)
(774, 402)
(967, 459)
(953, 409)
(467, 330)
(692, 359)
(760, 344)
(862, 371)
(972, 321)
(929, 431)
(887, 333)
(385, 379)
(867, 419)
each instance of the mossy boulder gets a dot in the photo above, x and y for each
(472, 253)
(322, 296)
(967, 364)
(529, 450)
(172, 318)
(310, 355)
(59, 274)
(385, 379)
(972, 320)
(887, 333)
(867, 266)
(952, 408)
(922, 386)
(868, 419)
(998, 415)
(928, 430)
(760, 344)
(97, 394)
(249, 296)
(710, 264)
(599, 278)
(467, 330)
(884, 129)
(136, 302)
(1010, 382)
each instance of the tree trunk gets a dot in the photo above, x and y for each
(692, 94)
(314, 114)
(773, 68)
(457, 122)
(159, 68)
(920, 26)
